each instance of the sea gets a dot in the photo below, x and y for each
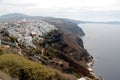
(102, 41)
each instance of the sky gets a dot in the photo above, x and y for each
(87, 10)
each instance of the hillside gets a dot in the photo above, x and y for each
(50, 42)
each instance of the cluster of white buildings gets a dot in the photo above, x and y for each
(27, 30)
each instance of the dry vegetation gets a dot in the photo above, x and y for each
(17, 66)
(4, 76)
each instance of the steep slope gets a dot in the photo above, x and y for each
(71, 33)
(55, 43)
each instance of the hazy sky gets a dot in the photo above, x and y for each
(93, 10)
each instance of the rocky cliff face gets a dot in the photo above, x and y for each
(71, 34)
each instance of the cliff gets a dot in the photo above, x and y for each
(55, 43)
(71, 34)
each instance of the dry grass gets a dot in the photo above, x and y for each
(4, 76)
(18, 66)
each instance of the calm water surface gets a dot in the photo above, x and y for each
(103, 42)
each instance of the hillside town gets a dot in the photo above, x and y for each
(25, 31)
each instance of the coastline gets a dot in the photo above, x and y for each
(90, 64)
